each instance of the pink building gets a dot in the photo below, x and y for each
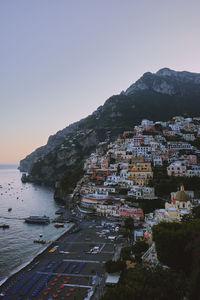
(192, 159)
(176, 169)
(135, 213)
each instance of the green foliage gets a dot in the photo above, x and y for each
(139, 249)
(196, 212)
(165, 184)
(175, 244)
(196, 143)
(148, 205)
(68, 182)
(158, 127)
(127, 234)
(152, 284)
(122, 192)
(112, 160)
(115, 266)
(129, 224)
(37, 168)
(119, 113)
(125, 253)
(193, 285)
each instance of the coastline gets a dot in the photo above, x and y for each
(38, 254)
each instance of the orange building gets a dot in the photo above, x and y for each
(140, 173)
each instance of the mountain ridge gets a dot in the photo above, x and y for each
(71, 145)
(166, 81)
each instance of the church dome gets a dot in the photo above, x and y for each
(182, 195)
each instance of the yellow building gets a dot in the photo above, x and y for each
(140, 173)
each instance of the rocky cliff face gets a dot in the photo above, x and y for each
(53, 142)
(167, 81)
(157, 96)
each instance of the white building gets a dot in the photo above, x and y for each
(157, 161)
(142, 192)
(146, 123)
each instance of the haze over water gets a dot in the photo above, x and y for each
(25, 199)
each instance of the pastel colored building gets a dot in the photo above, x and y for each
(140, 173)
(179, 206)
(176, 169)
(135, 213)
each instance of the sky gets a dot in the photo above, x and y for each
(61, 59)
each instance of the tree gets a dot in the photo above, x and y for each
(152, 284)
(176, 244)
(139, 249)
(115, 266)
(125, 253)
(196, 212)
(129, 224)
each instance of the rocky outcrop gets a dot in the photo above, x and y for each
(53, 141)
(167, 81)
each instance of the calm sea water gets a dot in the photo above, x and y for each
(25, 199)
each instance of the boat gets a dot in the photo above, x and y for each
(37, 220)
(39, 241)
(10, 209)
(4, 226)
(58, 225)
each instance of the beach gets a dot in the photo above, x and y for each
(67, 267)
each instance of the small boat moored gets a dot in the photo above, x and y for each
(58, 225)
(4, 226)
(38, 220)
(40, 241)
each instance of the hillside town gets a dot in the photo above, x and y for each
(135, 221)
(119, 176)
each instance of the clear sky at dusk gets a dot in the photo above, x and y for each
(61, 59)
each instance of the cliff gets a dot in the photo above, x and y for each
(157, 96)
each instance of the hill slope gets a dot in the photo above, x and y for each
(157, 96)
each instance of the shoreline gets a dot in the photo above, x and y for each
(39, 253)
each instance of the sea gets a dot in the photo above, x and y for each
(25, 199)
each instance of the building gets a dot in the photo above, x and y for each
(157, 161)
(139, 150)
(104, 190)
(100, 174)
(142, 192)
(188, 137)
(107, 210)
(179, 146)
(192, 159)
(146, 123)
(177, 168)
(193, 170)
(135, 213)
(140, 173)
(179, 206)
(92, 201)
